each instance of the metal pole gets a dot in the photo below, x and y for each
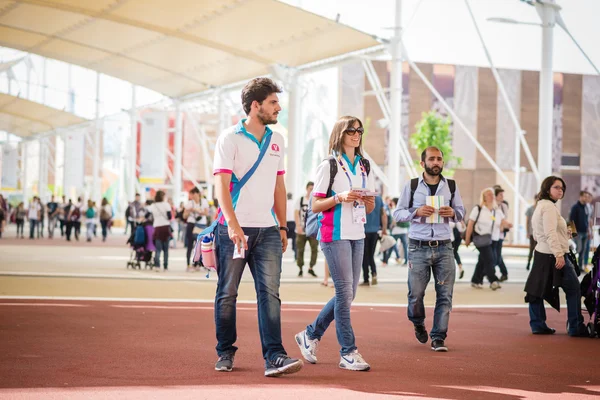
(132, 147)
(95, 195)
(516, 202)
(43, 172)
(459, 121)
(511, 112)
(546, 101)
(178, 153)
(395, 126)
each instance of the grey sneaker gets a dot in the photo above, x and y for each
(283, 365)
(308, 347)
(225, 363)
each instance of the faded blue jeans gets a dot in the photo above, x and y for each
(422, 261)
(264, 256)
(344, 258)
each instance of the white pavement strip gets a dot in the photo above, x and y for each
(211, 301)
(196, 277)
(44, 304)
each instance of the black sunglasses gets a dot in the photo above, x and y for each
(352, 131)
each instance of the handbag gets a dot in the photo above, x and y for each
(386, 242)
(486, 239)
(236, 189)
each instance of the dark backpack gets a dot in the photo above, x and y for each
(311, 220)
(414, 183)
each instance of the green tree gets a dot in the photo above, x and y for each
(433, 130)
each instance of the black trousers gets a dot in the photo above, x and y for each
(369, 255)
(485, 266)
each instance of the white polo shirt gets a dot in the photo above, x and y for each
(336, 223)
(486, 218)
(236, 152)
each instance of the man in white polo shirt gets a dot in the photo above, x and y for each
(253, 224)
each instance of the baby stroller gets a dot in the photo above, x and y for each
(590, 290)
(140, 251)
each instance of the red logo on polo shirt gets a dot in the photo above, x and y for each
(274, 147)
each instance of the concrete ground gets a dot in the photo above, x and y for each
(44, 267)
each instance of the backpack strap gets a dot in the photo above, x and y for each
(240, 184)
(452, 186)
(367, 164)
(332, 173)
(414, 182)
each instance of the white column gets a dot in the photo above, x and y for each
(96, 190)
(395, 126)
(295, 148)
(177, 162)
(546, 101)
(24, 181)
(132, 148)
(517, 238)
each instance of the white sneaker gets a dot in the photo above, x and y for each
(354, 362)
(495, 285)
(308, 347)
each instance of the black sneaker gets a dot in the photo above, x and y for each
(311, 272)
(300, 274)
(421, 333)
(503, 278)
(438, 345)
(283, 365)
(225, 363)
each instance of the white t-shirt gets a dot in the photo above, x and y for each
(301, 205)
(34, 208)
(193, 214)
(159, 212)
(236, 151)
(289, 210)
(484, 223)
(337, 223)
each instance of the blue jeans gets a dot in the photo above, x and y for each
(582, 242)
(161, 247)
(32, 225)
(497, 248)
(344, 258)
(422, 261)
(570, 285)
(264, 256)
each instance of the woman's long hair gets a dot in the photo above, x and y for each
(336, 140)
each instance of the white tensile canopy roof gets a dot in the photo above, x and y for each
(25, 118)
(175, 47)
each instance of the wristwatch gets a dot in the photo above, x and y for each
(284, 228)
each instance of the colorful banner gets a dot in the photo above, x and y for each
(153, 143)
(9, 164)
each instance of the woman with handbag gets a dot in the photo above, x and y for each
(484, 226)
(552, 267)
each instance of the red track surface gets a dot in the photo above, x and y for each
(166, 350)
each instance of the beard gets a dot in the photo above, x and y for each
(266, 119)
(435, 171)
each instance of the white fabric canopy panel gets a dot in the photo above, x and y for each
(25, 118)
(177, 47)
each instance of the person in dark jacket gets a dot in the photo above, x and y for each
(551, 267)
(579, 215)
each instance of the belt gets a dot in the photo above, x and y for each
(429, 243)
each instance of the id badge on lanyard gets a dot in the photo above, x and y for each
(359, 210)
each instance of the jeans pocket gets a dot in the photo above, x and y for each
(412, 247)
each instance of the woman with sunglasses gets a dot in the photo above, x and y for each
(551, 267)
(343, 211)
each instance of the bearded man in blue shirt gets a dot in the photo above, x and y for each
(430, 245)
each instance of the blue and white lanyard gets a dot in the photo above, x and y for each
(363, 172)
